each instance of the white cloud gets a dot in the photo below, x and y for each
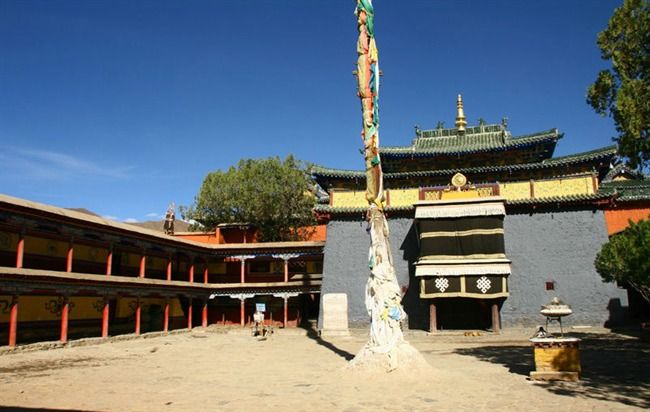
(109, 217)
(50, 165)
(131, 220)
(155, 215)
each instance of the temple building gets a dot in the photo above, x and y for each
(485, 227)
(65, 274)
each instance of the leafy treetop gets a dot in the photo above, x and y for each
(623, 91)
(626, 258)
(271, 194)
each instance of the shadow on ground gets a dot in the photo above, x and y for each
(614, 368)
(25, 409)
(312, 333)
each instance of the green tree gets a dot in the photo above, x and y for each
(626, 258)
(623, 91)
(271, 194)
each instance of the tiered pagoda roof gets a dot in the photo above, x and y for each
(520, 168)
(477, 146)
(488, 158)
(605, 153)
(484, 138)
(485, 153)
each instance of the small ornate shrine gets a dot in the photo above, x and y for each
(461, 248)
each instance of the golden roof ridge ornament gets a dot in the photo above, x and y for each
(461, 122)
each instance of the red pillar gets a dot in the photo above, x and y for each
(13, 321)
(20, 250)
(65, 308)
(166, 316)
(68, 257)
(242, 271)
(286, 270)
(138, 313)
(189, 315)
(286, 311)
(143, 265)
(192, 271)
(205, 272)
(204, 314)
(105, 313)
(169, 269)
(109, 262)
(241, 311)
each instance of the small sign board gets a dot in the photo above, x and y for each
(260, 307)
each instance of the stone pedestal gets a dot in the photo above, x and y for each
(335, 315)
(556, 359)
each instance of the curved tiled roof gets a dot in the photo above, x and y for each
(520, 202)
(558, 199)
(620, 169)
(345, 173)
(358, 209)
(627, 190)
(592, 155)
(86, 220)
(476, 139)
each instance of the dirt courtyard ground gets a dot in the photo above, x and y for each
(295, 370)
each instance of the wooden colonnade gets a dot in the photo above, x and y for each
(66, 294)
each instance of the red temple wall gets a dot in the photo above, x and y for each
(234, 235)
(618, 219)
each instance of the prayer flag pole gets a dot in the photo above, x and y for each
(383, 295)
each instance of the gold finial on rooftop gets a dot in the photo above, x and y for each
(460, 116)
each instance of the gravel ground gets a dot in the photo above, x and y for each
(296, 370)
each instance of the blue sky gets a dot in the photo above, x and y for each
(123, 106)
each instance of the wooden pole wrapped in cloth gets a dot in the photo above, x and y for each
(386, 347)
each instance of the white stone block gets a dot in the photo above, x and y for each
(335, 315)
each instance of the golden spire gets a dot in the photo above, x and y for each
(460, 116)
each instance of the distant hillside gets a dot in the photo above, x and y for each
(83, 210)
(157, 225)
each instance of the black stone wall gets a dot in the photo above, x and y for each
(345, 267)
(558, 247)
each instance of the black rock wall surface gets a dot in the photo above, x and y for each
(558, 247)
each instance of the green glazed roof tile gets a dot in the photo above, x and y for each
(592, 155)
(627, 190)
(558, 199)
(358, 209)
(519, 202)
(475, 139)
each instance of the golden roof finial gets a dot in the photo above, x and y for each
(460, 116)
